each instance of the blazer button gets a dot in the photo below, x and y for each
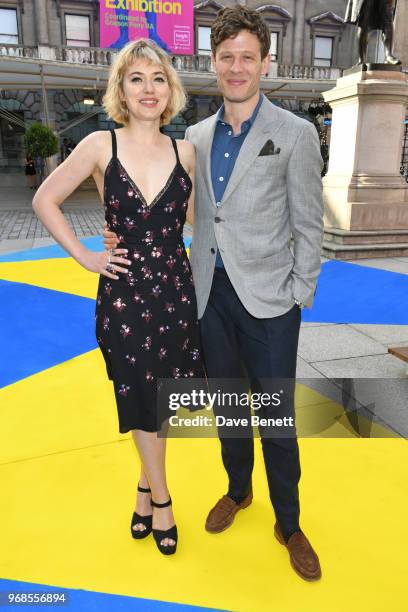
(212, 250)
(217, 220)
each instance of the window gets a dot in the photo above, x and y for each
(204, 43)
(8, 26)
(77, 31)
(323, 51)
(273, 52)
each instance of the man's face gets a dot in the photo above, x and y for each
(239, 66)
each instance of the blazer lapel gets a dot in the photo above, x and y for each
(263, 127)
(206, 140)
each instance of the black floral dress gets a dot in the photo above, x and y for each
(146, 321)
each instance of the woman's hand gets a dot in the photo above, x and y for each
(105, 263)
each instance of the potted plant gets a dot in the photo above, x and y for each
(41, 143)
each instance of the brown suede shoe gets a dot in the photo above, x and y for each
(223, 513)
(303, 558)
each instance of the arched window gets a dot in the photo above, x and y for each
(204, 15)
(325, 31)
(277, 18)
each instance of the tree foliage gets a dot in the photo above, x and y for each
(41, 141)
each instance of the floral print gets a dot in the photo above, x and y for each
(146, 321)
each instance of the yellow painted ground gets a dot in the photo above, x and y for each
(58, 274)
(68, 481)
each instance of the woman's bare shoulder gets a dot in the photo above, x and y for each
(100, 138)
(95, 144)
(98, 147)
(187, 152)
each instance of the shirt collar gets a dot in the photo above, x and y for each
(245, 124)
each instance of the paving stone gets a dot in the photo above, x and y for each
(392, 264)
(307, 324)
(305, 370)
(372, 366)
(388, 335)
(15, 245)
(327, 342)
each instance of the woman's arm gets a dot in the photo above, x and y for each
(84, 160)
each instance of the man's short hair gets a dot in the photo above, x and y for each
(230, 21)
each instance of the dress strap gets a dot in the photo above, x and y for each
(175, 149)
(114, 146)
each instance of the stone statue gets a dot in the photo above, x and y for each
(372, 15)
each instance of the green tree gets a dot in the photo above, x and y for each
(40, 141)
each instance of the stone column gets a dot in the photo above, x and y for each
(41, 22)
(400, 32)
(299, 32)
(366, 198)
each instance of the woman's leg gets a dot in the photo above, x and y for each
(152, 451)
(143, 506)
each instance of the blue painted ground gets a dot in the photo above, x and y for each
(346, 293)
(51, 252)
(41, 328)
(91, 601)
(349, 293)
(56, 252)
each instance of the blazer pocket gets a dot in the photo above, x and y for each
(269, 165)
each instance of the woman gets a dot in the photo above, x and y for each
(146, 314)
(30, 172)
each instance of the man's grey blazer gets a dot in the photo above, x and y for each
(268, 198)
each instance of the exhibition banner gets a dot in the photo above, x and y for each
(168, 23)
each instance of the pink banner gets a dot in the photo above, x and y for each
(170, 24)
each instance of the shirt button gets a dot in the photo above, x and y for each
(226, 154)
(212, 250)
(229, 132)
(221, 179)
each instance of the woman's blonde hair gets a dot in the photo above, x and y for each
(150, 51)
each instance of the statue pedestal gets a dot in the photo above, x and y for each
(365, 197)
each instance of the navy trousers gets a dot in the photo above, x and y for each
(237, 345)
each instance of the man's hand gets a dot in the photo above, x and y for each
(110, 239)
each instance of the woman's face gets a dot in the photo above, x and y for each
(146, 90)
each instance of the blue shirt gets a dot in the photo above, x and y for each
(224, 153)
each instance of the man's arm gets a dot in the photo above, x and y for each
(305, 198)
(110, 239)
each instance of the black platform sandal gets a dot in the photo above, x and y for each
(160, 535)
(137, 519)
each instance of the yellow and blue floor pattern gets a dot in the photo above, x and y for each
(68, 483)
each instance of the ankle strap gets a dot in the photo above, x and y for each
(142, 490)
(167, 503)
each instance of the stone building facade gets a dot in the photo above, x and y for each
(311, 45)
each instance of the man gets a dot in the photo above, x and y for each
(372, 15)
(258, 181)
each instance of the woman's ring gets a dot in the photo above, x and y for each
(109, 267)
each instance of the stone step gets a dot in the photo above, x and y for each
(390, 236)
(345, 252)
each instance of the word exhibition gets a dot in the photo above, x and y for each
(146, 6)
